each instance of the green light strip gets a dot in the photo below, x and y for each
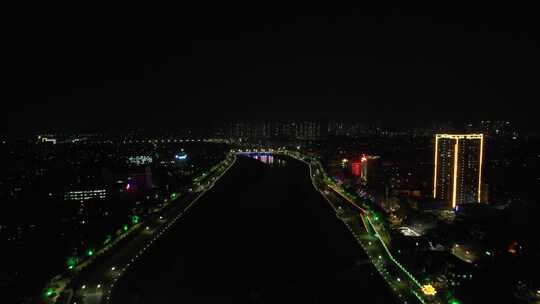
(390, 254)
(377, 234)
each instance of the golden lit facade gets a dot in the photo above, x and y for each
(458, 168)
(429, 290)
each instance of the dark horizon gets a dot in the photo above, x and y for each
(400, 66)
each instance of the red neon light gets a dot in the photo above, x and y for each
(355, 169)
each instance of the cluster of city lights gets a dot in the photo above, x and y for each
(380, 261)
(73, 262)
(158, 235)
(426, 289)
(76, 263)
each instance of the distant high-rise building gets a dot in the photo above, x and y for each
(336, 128)
(308, 130)
(362, 165)
(458, 168)
(495, 128)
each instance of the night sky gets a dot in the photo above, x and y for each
(99, 67)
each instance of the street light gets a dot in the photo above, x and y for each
(108, 238)
(72, 262)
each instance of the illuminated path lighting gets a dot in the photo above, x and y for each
(368, 222)
(110, 288)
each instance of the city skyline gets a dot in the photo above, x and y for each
(314, 129)
(260, 153)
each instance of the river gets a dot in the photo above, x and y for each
(263, 234)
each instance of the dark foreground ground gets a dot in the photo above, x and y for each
(261, 235)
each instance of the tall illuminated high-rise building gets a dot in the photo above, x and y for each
(458, 168)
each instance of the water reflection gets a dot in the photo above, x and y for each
(269, 159)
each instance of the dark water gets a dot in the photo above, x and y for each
(261, 235)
